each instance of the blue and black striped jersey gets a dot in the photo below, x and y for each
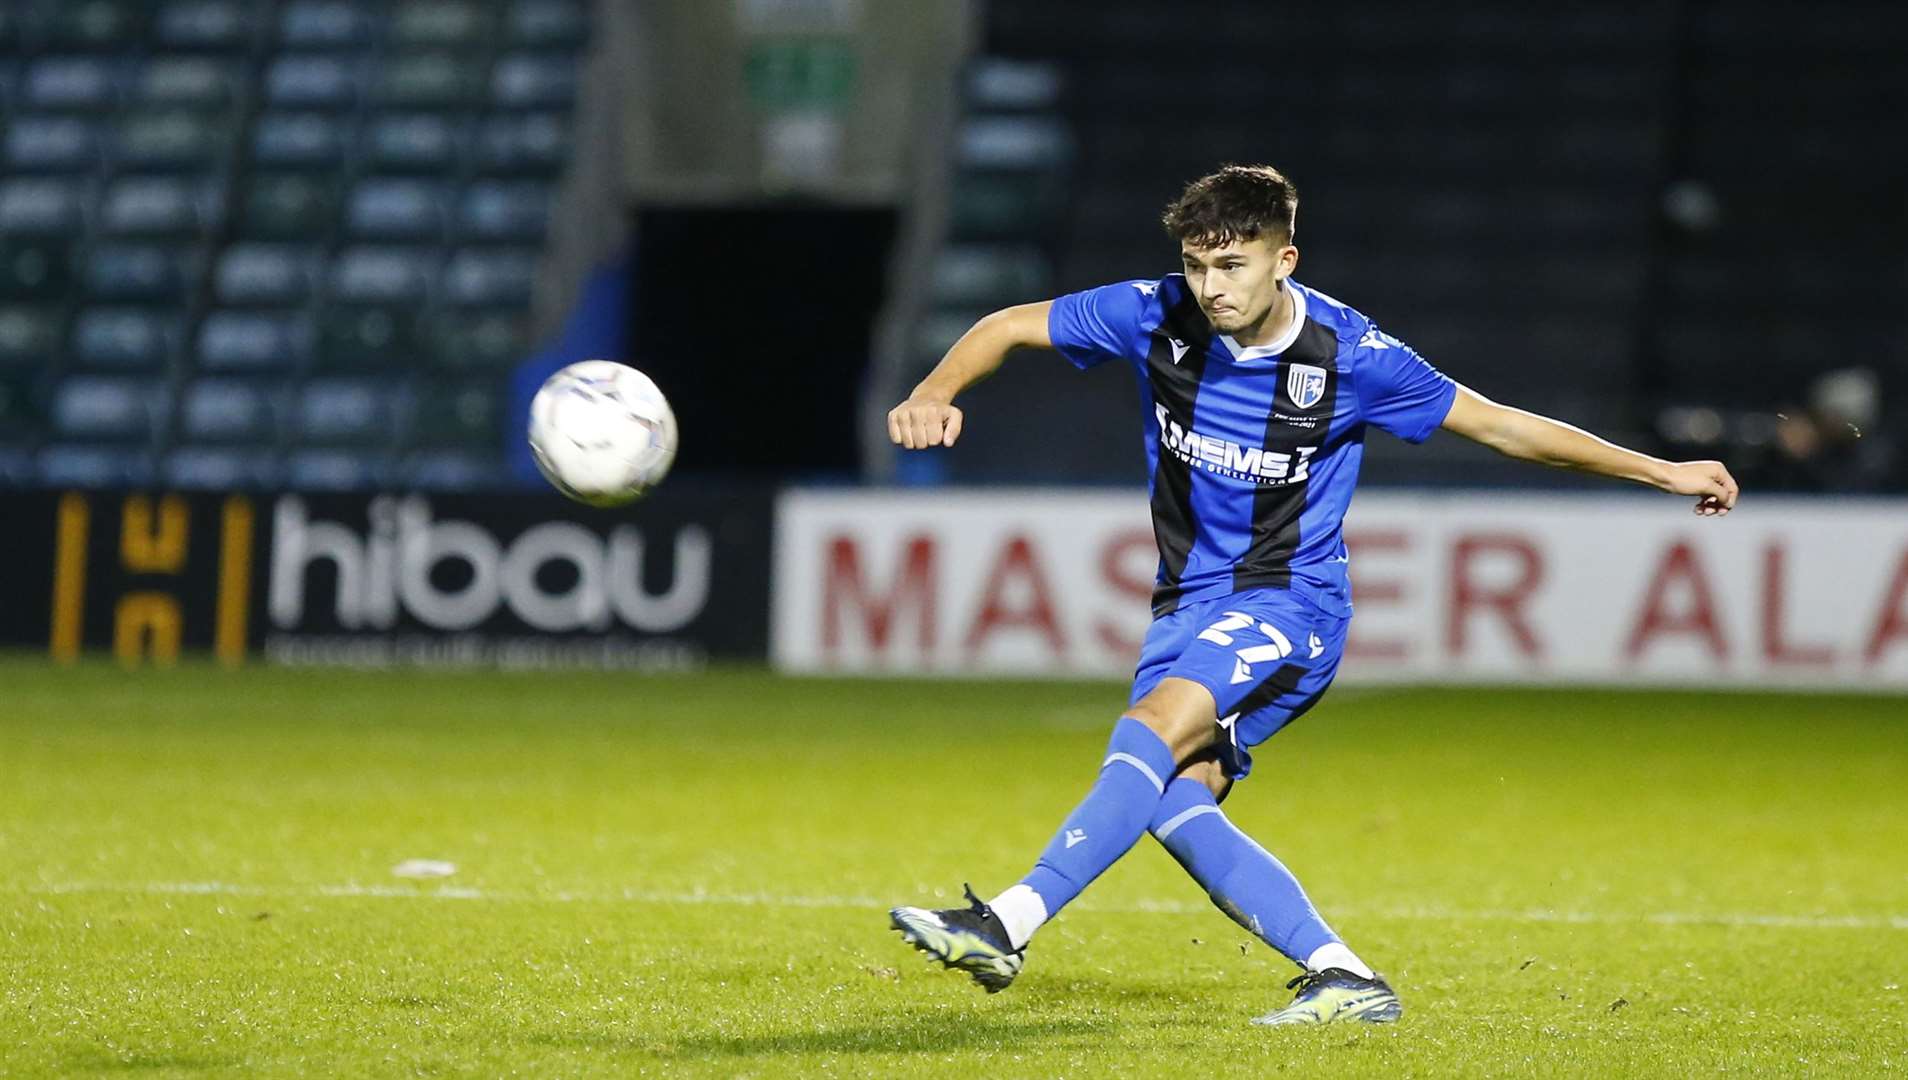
(1253, 452)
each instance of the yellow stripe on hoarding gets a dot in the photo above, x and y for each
(69, 577)
(147, 624)
(235, 582)
(150, 545)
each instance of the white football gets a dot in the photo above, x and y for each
(602, 433)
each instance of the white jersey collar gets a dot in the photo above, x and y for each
(1279, 344)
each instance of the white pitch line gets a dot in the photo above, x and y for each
(1143, 907)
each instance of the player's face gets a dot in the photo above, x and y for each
(1237, 284)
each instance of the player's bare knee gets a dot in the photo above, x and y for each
(1208, 771)
(1181, 713)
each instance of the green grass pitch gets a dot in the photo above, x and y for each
(687, 876)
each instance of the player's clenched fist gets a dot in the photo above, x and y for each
(918, 424)
(1707, 479)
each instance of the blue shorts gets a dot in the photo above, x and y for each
(1267, 655)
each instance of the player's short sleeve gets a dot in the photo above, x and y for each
(1098, 325)
(1398, 390)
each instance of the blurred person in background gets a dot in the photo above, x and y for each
(1831, 443)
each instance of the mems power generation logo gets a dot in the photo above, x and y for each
(1228, 458)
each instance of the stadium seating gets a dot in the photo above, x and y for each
(42, 206)
(228, 410)
(150, 273)
(108, 408)
(1478, 179)
(324, 24)
(1500, 183)
(409, 142)
(130, 339)
(232, 340)
(32, 268)
(312, 225)
(346, 411)
(336, 470)
(27, 335)
(452, 414)
(1741, 325)
(1014, 172)
(92, 465)
(298, 140)
(215, 467)
(52, 144)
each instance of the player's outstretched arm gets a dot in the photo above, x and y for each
(1519, 434)
(928, 417)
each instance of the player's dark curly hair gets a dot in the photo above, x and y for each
(1239, 202)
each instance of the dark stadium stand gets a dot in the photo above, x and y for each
(1478, 182)
(1494, 183)
(1013, 176)
(211, 210)
(252, 242)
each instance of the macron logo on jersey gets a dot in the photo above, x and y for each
(1228, 458)
(1179, 347)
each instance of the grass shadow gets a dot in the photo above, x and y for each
(414, 1001)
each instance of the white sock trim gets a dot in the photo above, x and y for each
(1181, 818)
(1021, 911)
(1334, 954)
(1137, 764)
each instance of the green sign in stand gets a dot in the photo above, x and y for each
(801, 74)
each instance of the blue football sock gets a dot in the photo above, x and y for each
(1110, 820)
(1248, 884)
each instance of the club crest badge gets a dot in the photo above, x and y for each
(1304, 384)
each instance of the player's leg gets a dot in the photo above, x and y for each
(1243, 879)
(1256, 890)
(987, 939)
(1167, 725)
(1158, 732)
